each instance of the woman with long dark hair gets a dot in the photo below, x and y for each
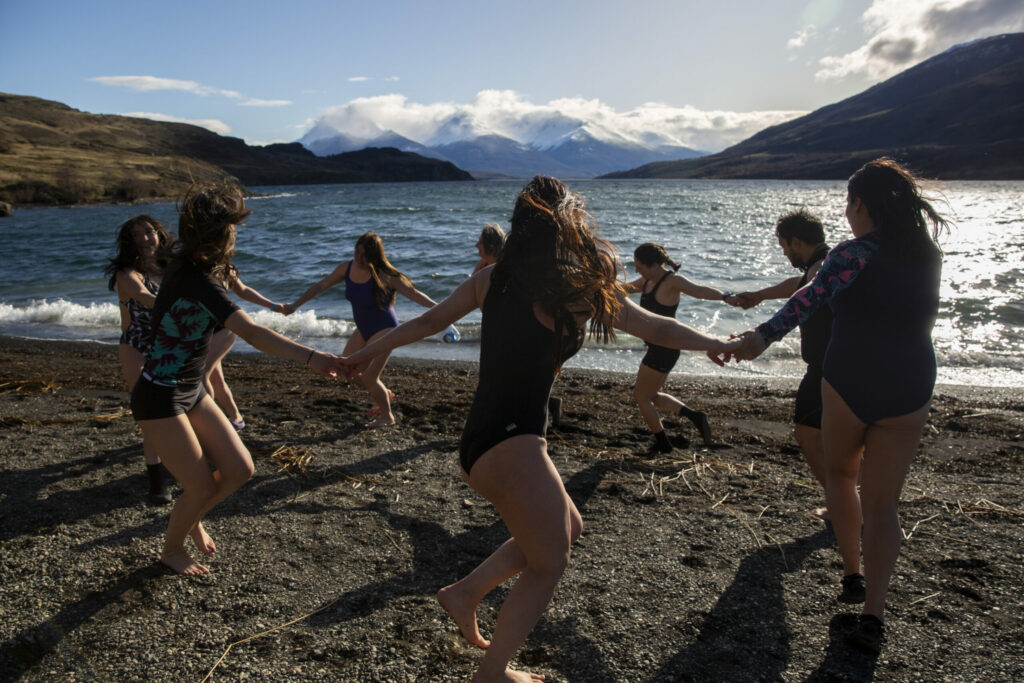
(878, 373)
(660, 285)
(371, 283)
(553, 281)
(185, 427)
(135, 272)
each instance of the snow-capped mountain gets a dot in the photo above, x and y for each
(523, 145)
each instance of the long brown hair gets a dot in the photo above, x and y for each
(653, 254)
(128, 255)
(207, 216)
(377, 263)
(893, 198)
(552, 254)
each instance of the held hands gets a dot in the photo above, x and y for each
(352, 367)
(743, 300)
(288, 309)
(746, 346)
(326, 364)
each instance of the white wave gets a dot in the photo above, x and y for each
(62, 312)
(303, 324)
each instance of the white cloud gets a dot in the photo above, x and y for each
(506, 113)
(254, 102)
(210, 124)
(358, 79)
(902, 33)
(152, 83)
(801, 38)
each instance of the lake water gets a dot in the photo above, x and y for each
(722, 232)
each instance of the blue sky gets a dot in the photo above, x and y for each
(266, 71)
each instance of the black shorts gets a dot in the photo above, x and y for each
(151, 401)
(660, 359)
(808, 399)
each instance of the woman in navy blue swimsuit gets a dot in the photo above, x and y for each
(135, 272)
(878, 373)
(370, 286)
(553, 280)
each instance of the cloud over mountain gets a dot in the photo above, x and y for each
(902, 33)
(506, 113)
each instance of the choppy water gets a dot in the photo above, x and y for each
(52, 285)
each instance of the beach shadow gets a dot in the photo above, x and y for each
(843, 661)
(21, 652)
(431, 543)
(745, 637)
(28, 509)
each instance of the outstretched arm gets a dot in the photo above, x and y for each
(634, 286)
(681, 284)
(336, 276)
(781, 290)
(129, 284)
(271, 342)
(668, 332)
(406, 289)
(252, 296)
(466, 297)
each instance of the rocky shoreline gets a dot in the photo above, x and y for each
(705, 565)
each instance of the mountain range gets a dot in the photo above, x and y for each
(53, 154)
(958, 115)
(561, 146)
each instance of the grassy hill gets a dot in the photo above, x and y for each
(53, 154)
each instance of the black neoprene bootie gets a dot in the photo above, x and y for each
(158, 494)
(700, 420)
(661, 444)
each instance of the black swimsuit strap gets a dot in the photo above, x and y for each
(655, 288)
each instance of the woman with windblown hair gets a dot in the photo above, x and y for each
(185, 427)
(554, 279)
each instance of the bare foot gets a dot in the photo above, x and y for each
(822, 513)
(508, 675)
(463, 612)
(375, 411)
(204, 543)
(380, 423)
(182, 564)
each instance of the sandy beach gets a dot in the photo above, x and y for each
(705, 565)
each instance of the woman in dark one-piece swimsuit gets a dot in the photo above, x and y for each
(552, 280)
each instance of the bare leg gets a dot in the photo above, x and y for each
(216, 385)
(381, 396)
(810, 441)
(519, 479)
(843, 439)
(889, 448)
(132, 362)
(187, 445)
(645, 392)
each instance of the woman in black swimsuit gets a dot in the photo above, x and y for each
(135, 273)
(554, 279)
(659, 290)
(186, 428)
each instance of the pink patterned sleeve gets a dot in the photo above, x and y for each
(840, 268)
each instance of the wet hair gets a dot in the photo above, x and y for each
(652, 254)
(128, 255)
(893, 198)
(801, 224)
(492, 238)
(377, 262)
(552, 255)
(207, 216)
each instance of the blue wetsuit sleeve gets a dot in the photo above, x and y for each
(840, 268)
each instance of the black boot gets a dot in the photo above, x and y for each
(158, 493)
(661, 444)
(700, 421)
